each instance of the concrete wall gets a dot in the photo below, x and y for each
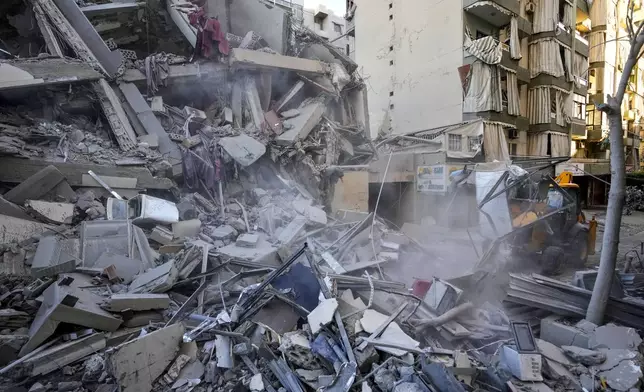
(267, 20)
(409, 55)
(328, 29)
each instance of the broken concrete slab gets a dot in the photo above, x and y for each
(61, 355)
(161, 235)
(614, 337)
(13, 319)
(40, 72)
(624, 376)
(247, 240)
(138, 363)
(110, 60)
(264, 252)
(152, 125)
(244, 58)
(322, 315)
(316, 216)
(18, 230)
(16, 170)
(292, 231)
(288, 98)
(552, 352)
(371, 320)
(10, 209)
(37, 185)
(243, 149)
(137, 302)
(10, 347)
(299, 127)
(561, 334)
(110, 8)
(186, 229)
(584, 356)
(57, 213)
(126, 268)
(115, 115)
(71, 303)
(269, 22)
(223, 232)
(52, 258)
(155, 280)
(112, 182)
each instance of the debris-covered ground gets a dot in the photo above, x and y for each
(165, 221)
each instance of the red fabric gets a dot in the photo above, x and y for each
(210, 31)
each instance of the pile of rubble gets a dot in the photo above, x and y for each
(166, 224)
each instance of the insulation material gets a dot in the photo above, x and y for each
(545, 58)
(513, 94)
(538, 144)
(486, 49)
(546, 16)
(484, 92)
(495, 143)
(515, 43)
(539, 105)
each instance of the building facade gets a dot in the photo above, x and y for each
(519, 65)
(325, 23)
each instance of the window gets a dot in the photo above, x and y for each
(391, 93)
(512, 149)
(337, 28)
(391, 17)
(454, 142)
(391, 5)
(391, 48)
(474, 142)
(391, 106)
(348, 49)
(391, 62)
(579, 106)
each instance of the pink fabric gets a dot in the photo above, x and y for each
(210, 31)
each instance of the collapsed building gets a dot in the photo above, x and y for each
(185, 207)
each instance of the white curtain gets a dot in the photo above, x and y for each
(539, 105)
(515, 43)
(546, 16)
(545, 58)
(580, 67)
(569, 17)
(486, 49)
(538, 144)
(561, 117)
(484, 91)
(513, 94)
(494, 143)
(599, 12)
(596, 46)
(568, 64)
(559, 144)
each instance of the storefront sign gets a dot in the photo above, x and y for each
(577, 169)
(431, 178)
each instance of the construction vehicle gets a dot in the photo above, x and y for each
(548, 225)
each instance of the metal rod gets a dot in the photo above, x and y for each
(104, 184)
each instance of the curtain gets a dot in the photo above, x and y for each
(561, 116)
(539, 105)
(559, 144)
(569, 17)
(546, 58)
(580, 67)
(546, 16)
(596, 46)
(599, 12)
(513, 94)
(494, 143)
(515, 43)
(486, 49)
(568, 64)
(484, 91)
(538, 144)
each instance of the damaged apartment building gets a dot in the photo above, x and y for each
(518, 69)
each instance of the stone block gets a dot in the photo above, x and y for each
(561, 334)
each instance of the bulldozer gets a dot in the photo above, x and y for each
(549, 228)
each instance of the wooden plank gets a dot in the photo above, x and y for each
(16, 170)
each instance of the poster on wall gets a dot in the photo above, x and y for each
(431, 178)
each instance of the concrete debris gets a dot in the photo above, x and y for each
(200, 221)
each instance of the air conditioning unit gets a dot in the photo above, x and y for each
(530, 7)
(513, 134)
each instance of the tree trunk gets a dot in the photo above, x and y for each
(610, 242)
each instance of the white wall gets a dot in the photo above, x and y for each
(328, 30)
(427, 40)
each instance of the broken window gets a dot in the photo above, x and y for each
(337, 28)
(474, 142)
(454, 142)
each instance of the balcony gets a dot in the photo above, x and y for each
(351, 27)
(549, 80)
(578, 128)
(563, 36)
(549, 127)
(523, 75)
(498, 12)
(521, 123)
